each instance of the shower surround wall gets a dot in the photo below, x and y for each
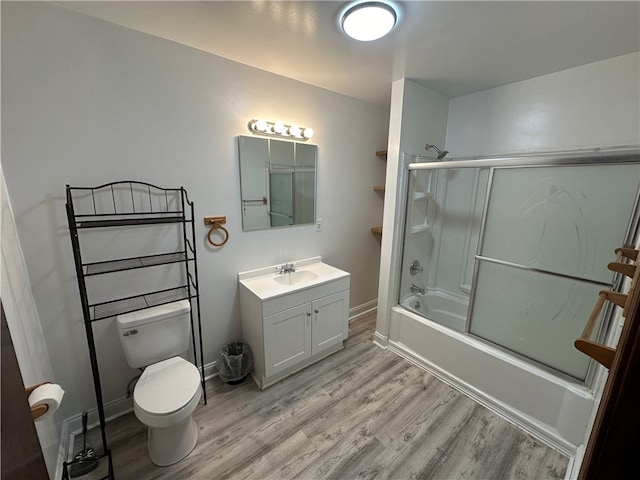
(587, 107)
(443, 226)
(86, 102)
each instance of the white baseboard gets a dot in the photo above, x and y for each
(380, 340)
(210, 370)
(573, 469)
(72, 426)
(112, 410)
(362, 310)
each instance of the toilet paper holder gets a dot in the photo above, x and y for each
(38, 410)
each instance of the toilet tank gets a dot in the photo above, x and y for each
(154, 334)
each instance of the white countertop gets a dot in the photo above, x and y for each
(261, 281)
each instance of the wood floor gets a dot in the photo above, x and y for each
(363, 413)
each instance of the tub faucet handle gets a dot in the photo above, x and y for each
(415, 267)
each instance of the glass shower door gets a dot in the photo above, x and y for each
(548, 235)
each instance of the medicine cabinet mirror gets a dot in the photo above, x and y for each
(277, 182)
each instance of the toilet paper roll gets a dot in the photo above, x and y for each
(49, 394)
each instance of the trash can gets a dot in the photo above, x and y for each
(234, 362)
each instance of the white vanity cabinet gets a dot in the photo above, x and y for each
(291, 326)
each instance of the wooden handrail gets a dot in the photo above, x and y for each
(624, 268)
(602, 353)
(630, 253)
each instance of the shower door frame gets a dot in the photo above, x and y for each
(611, 157)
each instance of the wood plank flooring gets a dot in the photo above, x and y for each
(363, 413)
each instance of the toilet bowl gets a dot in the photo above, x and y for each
(164, 399)
(169, 389)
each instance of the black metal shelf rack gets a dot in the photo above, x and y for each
(125, 204)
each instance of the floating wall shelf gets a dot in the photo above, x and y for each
(379, 188)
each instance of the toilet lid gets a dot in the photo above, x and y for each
(167, 386)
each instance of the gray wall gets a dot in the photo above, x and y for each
(592, 106)
(86, 102)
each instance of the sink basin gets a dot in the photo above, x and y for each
(295, 277)
(266, 283)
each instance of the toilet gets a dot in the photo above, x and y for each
(169, 388)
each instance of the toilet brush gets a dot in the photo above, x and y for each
(85, 460)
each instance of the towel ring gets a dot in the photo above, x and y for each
(214, 227)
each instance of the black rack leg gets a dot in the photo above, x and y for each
(96, 383)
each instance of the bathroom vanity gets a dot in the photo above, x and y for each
(291, 319)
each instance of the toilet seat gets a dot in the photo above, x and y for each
(167, 392)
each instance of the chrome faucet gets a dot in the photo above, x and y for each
(286, 268)
(416, 289)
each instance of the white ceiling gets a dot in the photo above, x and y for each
(451, 47)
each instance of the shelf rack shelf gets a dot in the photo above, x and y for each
(127, 204)
(109, 266)
(121, 306)
(123, 222)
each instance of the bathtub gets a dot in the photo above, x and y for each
(447, 310)
(554, 410)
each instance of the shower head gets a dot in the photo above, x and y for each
(441, 153)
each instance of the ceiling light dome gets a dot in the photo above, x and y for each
(366, 21)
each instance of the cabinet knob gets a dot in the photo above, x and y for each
(317, 311)
(308, 314)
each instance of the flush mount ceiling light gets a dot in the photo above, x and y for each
(366, 21)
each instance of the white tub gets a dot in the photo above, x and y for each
(554, 410)
(444, 309)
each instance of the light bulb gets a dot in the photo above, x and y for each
(278, 128)
(307, 133)
(261, 125)
(294, 131)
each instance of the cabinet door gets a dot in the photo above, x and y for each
(287, 338)
(330, 324)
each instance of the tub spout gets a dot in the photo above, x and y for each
(416, 289)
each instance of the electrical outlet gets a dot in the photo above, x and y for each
(319, 225)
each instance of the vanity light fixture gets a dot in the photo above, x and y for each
(368, 20)
(263, 127)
